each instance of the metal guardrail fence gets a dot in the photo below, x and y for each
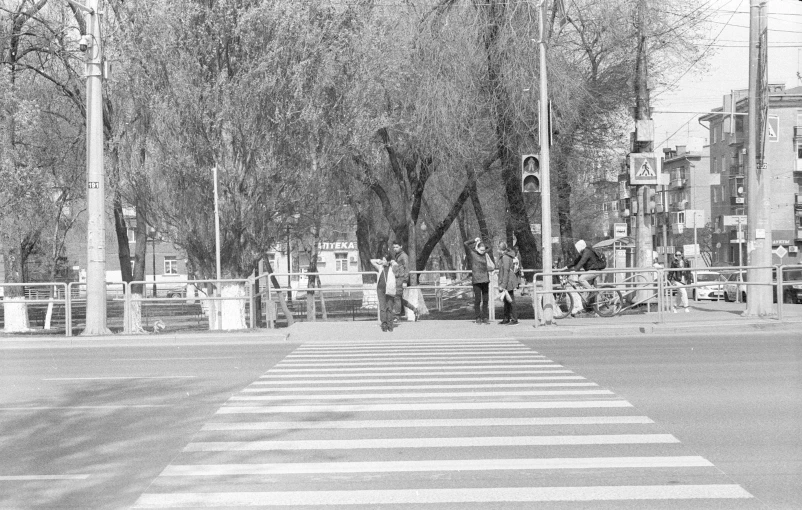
(639, 286)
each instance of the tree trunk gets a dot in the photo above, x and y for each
(14, 307)
(281, 299)
(312, 277)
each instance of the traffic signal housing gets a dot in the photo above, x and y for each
(530, 173)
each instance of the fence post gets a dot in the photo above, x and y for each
(780, 293)
(535, 304)
(660, 296)
(252, 303)
(68, 309)
(126, 307)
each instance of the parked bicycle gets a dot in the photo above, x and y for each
(605, 301)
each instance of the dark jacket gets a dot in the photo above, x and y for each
(507, 279)
(678, 276)
(587, 260)
(401, 270)
(479, 273)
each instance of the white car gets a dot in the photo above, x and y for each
(714, 288)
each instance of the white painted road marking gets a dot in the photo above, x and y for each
(333, 379)
(119, 378)
(434, 496)
(452, 394)
(468, 422)
(411, 373)
(439, 406)
(430, 442)
(439, 369)
(36, 478)
(443, 362)
(261, 389)
(417, 466)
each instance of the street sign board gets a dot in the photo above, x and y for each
(535, 228)
(731, 221)
(643, 168)
(690, 250)
(694, 218)
(619, 230)
(780, 251)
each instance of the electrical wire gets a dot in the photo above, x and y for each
(699, 58)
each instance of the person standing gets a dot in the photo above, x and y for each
(677, 278)
(481, 266)
(507, 283)
(385, 290)
(401, 270)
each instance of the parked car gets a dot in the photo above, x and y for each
(792, 286)
(714, 290)
(733, 288)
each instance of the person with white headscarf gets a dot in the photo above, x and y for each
(588, 261)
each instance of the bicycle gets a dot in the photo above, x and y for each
(605, 301)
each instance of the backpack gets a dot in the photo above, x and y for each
(602, 260)
(516, 267)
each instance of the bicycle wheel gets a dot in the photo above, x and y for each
(608, 302)
(563, 304)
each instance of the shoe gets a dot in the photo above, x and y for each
(384, 327)
(505, 321)
(485, 321)
(395, 321)
(675, 310)
(687, 310)
(513, 322)
(477, 320)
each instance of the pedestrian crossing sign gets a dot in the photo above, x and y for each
(773, 128)
(643, 168)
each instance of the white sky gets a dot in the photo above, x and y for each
(728, 68)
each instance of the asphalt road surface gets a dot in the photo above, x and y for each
(643, 422)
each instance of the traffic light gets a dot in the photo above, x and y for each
(530, 173)
(650, 205)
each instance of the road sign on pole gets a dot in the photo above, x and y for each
(619, 230)
(644, 168)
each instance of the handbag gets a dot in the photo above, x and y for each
(490, 265)
(390, 288)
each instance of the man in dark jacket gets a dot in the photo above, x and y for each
(587, 261)
(401, 270)
(480, 278)
(507, 282)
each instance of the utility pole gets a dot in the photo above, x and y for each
(643, 241)
(545, 178)
(95, 176)
(758, 208)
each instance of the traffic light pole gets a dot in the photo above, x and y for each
(95, 180)
(545, 179)
(643, 245)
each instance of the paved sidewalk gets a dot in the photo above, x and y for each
(704, 318)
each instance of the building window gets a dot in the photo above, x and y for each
(170, 265)
(340, 262)
(799, 156)
(714, 168)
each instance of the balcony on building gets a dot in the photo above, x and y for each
(678, 206)
(736, 170)
(798, 132)
(737, 138)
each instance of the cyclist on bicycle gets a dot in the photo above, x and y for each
(587, 261)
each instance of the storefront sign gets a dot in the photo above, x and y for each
(340, 245)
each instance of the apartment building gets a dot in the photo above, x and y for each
(688, 185)
(783, 155)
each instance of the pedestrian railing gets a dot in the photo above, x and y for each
(58, 303)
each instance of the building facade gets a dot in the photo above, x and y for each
(688, 185)
(783, 156)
